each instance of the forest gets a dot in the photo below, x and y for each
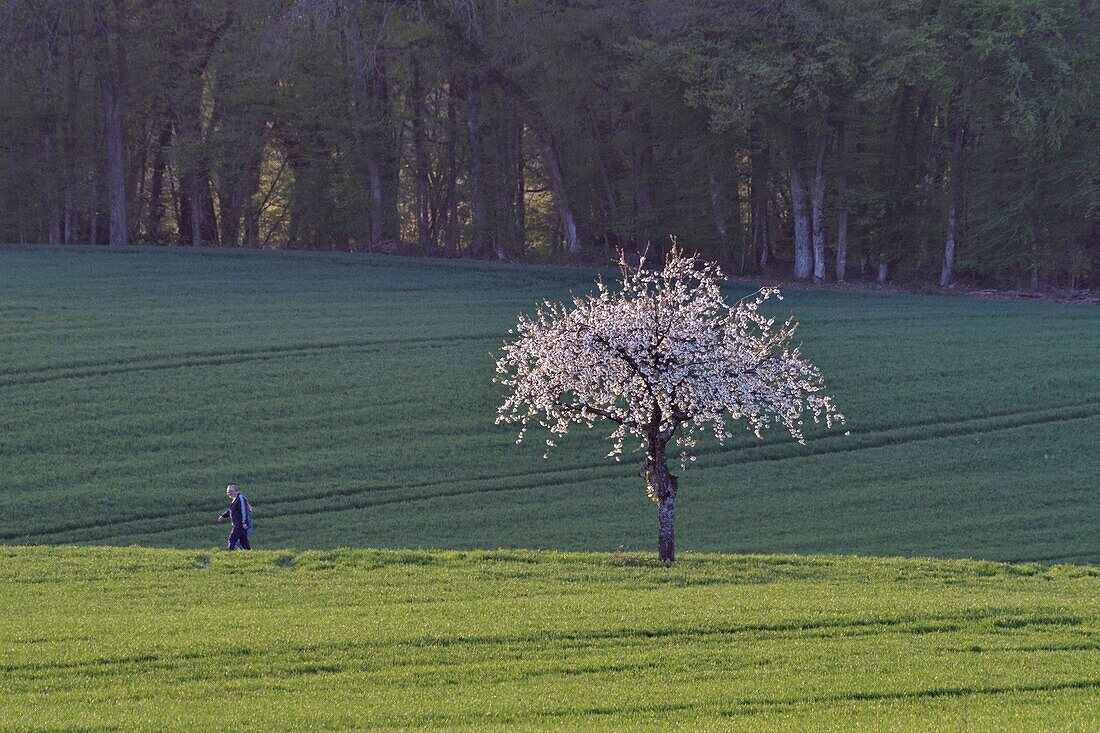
(926, 141)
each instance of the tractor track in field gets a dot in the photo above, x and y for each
(758, 707)
(824, 445)
(85, 370)
(914, 624)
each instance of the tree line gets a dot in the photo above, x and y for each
(922, 140)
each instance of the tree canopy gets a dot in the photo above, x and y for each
(911, 140)
(664, 358)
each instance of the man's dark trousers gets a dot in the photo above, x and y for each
(239, 534)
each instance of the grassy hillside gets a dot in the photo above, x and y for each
(102, 638)
(352, 398)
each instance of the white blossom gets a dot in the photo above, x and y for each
(662, 357)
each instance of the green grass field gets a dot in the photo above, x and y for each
(98, 639)
(351, 397)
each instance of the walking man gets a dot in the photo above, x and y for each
(240, 513)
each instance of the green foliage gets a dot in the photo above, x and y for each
(351, 397)
(423, 128)
(159, 640)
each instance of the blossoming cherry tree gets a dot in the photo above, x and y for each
(664, 358)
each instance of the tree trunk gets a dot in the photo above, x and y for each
(1034, 265)
(947, 273)
(240, 179)
(883, 268)
(666, 537)
(818, 223)
(420, 154)
(370, 102)
(113, 87)
(557, 187)
(155, 215)
(93, 211)
(71, 137)
(479, 234)
(662, 487)
(116, 164)
(183, 213)
(374, 183)
(841, 202)
(69, 219)
(194, 194)
(505, 156)
(758, 194)
(519, 166)
(803, 256)
(717, 208)
(446, 217)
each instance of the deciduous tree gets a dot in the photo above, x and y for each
(665, 359)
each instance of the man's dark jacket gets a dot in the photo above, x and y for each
(237, 511)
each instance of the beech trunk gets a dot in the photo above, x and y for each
(423, 167)
(479, 224)
(841, 203)
(947, 273)
(113, 88)
(817, 200)
(557, 187)
(803, 256)
(758, 197)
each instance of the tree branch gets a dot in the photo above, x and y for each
(585, 407)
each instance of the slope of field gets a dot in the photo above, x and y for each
(110, 638)
(351, 397)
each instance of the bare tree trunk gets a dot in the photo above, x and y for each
(194, 183)
(758, 194)
(183, 212)
(240, 180)
(116, 161)
(93, 211)
(370, 96)
(662, 486)
(883, 268)
(519, 165)
(198, 203)
(557, 187)
(717, 209)
(841, 202)
(479, 235)
(69, 218)
(506, 205)
(1034, 265)
(803, 256)
(817, 200)
(156, 187)
(53, 200)
(448, 208)
(666, 538)
(947, 273)
(420, 154)
(113, 88)
(70, 139)
(374, 184)
(194, 186)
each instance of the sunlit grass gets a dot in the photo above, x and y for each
(101, 638)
